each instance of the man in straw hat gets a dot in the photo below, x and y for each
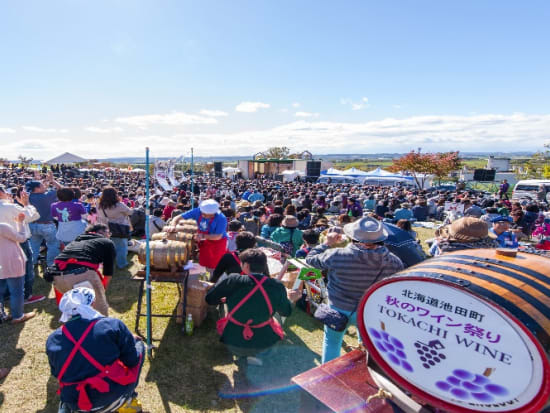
(351, 270)
(96, 360)
(464, 233)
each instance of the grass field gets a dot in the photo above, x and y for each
(186, 374)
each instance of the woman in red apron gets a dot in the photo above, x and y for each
(211, 236)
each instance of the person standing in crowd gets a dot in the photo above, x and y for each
(463, 233)
(69, 214)
(44, 228)
(351, 270)
(211, 236)
(12, 269)
(403, 213)
(249, 328)
(8, 213)
(288, 235)
(115, 215)
(503, 189)
(79, 262)
(96, 360)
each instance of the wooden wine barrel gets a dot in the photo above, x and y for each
(165, 254)
(467, 331)
(173, 236)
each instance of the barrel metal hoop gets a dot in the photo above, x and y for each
(536, 329)
(540, 306)
(498, 269)
(540, 276)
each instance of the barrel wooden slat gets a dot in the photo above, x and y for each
(508, 279)
(165, 254)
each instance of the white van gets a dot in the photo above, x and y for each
(529, 188)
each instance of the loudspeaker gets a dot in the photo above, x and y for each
(218, 169)
(313, 168)
(484, 175)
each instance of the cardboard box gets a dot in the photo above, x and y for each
(199, 314)
(196, 292)
(289, 278)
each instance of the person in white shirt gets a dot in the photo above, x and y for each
(156, 223)
(9, 211)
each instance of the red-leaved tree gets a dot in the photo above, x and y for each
(421, 164)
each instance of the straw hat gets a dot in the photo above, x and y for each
(367, 230)
(466, 229)
(290, 221)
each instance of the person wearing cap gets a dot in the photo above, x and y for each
(463, 233)
(500, 231)
(211, 235)
(404, 212)
(351, 270)
(288, 235)
(44, 228)
(96, 360)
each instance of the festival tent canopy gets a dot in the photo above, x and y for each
(66, 158)
(331, 171)
(354, 172)
(290, 175)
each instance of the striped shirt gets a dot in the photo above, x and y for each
(351, 270)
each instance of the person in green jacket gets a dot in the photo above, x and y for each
(249, 328)
(288, 235)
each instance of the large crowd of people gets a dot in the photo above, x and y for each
(80, 226)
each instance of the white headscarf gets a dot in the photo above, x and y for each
(78, 301)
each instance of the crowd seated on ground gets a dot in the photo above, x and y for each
(344, 229)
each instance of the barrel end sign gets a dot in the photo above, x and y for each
(451, 348)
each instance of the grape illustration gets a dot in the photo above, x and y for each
(465, 385)
(391, 347)
(430, 354)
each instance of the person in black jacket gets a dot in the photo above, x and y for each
(230, 262)
(79, 262)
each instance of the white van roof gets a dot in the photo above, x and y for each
(533, 181)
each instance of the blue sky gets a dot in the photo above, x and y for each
(106, 78)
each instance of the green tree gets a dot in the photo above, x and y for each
(537, 166)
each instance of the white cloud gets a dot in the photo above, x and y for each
(363, 103)
(7, 130)
(480, 133)
(213, 113)
(94, 129)
(396, 106)
(250, 107)
(296, 105)
(283, 110)
(306, 115)
(44, 130)
(174, 118)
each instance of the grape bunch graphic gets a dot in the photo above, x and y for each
(430, 354)
(392, 347)
(466, 385)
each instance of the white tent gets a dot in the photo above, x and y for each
(290, 175)
(66, 158)
(354, 172)
(230, 171)
(332, 171)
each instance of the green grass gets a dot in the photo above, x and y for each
(186, 373)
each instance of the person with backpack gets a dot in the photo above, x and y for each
(351, 270)
(253, 298)
(288, 235)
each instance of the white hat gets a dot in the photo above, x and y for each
(78, 301)
(209, 206)
(367, 230)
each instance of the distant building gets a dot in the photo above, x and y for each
(498, 164)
